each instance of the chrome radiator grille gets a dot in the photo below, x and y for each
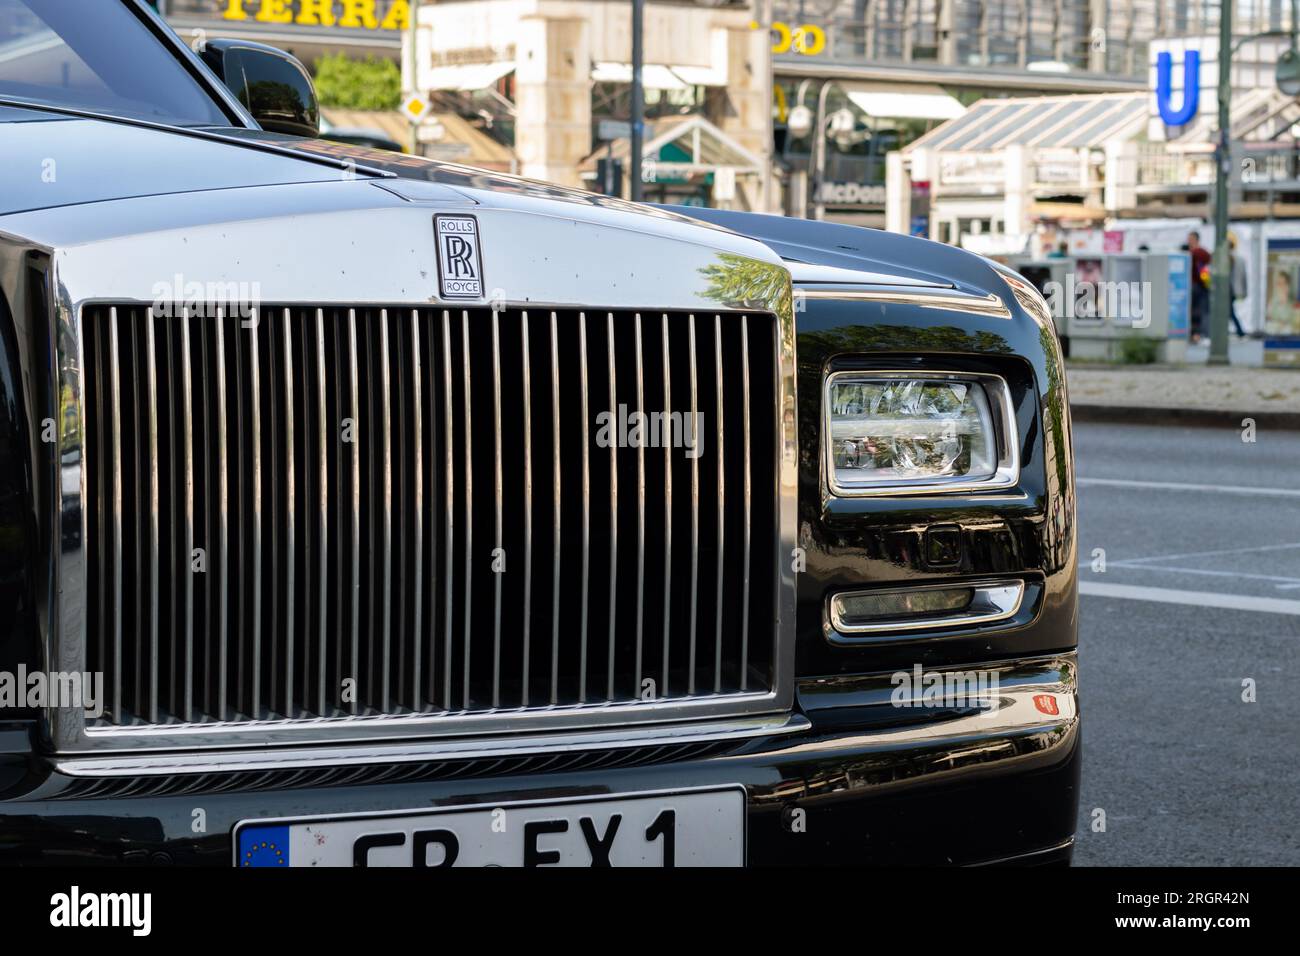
(335, 512)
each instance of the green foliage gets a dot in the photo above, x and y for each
(1137, 350)
(346, 83)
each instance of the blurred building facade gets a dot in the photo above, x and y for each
(553, 77)
(907, 50)
(308, 29)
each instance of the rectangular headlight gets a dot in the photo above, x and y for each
(907, 432)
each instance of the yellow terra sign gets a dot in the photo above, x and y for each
(356, 14)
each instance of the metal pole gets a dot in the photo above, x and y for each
(638, 98)
(1221, 262)
(414, 140)
(819, 153)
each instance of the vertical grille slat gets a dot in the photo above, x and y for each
(556, 513)
(695, 509)
(612, 371)
(526, 387)
(584, 423)
(322, 460)
(720, 543)
(665, 686)
(449, 510)
(640, 517)
(322, 512)
(223, 514)
(466, 430)
(354, 527)
(187, 454)
(747, 490)
(289, 598)
(386, 528)
(151, 379)
(416, 580)
(498, 504)
(115, 391)
(253, 705)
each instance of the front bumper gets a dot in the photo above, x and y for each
(876, 783)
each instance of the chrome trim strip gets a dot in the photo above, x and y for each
(1001, 409)
(721, 504)
(255, 416)
(586, 506)
(948, 299)
(223, 517)
(498, 506)
(555, 505)
(640, 515)
(151, 388)
(613, 508)
(991, 602)
(322, 511)
(668, 509)
(747, 490)
(386, 530)
(157, 764)
(695, 506)
(448, 519)
(417, 505)
(115, 389)
(527, 386)
(469, 503)
(355, 401)
(290, 510)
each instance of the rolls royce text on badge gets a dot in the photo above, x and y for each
(407, 514)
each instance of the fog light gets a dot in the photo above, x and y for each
(923, 608)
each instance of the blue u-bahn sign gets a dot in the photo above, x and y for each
(1191, 87)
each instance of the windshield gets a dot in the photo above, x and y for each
(96, 55)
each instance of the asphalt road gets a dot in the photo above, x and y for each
(1200, 593)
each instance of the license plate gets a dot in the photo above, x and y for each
(684, 828)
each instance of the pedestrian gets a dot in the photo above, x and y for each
(1200, 286)
(1237, 283)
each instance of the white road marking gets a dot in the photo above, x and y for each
(1232, 602)
(1183, 486)
(1205, 572)
(1212, 554)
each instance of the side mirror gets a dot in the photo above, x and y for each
(271, 84)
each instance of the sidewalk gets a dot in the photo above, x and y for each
(1185, 395)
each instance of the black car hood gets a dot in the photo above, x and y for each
(49, 160)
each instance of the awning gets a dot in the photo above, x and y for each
(657, 76)
(1048, 122)
(687, 145)
(465, 77)
(925, 102)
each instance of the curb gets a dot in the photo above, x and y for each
(1195, 417)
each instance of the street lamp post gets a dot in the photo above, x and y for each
(819, 153)
(413, 141)
(638, 97)
(1221, 263)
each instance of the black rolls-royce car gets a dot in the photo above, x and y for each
(358, 509)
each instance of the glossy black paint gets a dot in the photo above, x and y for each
(1026, 531)
(964, 799)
